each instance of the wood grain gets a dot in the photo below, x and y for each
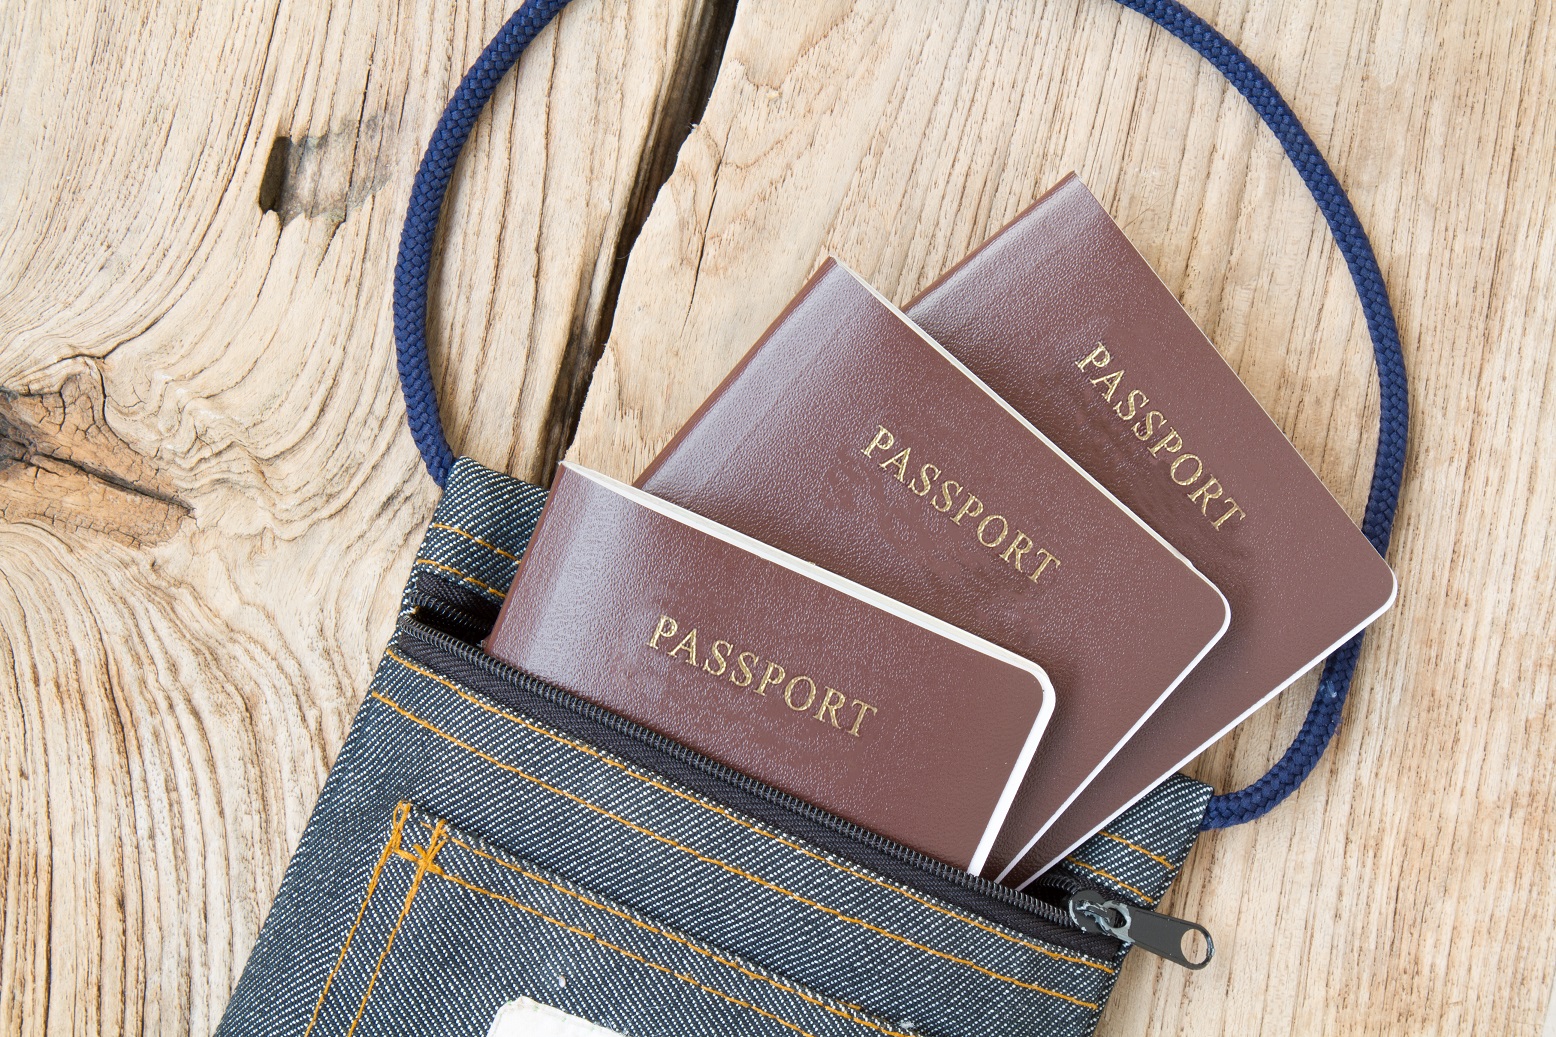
(1407, 888)
(208, 499)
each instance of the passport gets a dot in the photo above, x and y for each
(829, 691)
(850, 438)
(1061, 316)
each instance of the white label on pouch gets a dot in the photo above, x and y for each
(526, 1018)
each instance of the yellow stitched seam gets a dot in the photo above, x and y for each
(1111, 878)
(474, 539)
(589, 750)
(668, 971)
(624, 916)
(401, 812)
(424, 857)
(810, 903)
(728, 867)
(463, 576)
(1163, 861)
(562, 889)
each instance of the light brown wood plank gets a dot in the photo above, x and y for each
(1407, 888)
(208, 497)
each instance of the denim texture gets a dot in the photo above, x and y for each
(462, 855)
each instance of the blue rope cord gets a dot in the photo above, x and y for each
(1323, 716)
(414, 267)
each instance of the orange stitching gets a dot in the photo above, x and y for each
(1163, 861)
(683, 941)
(684, 977)
(728, 867)
(401, 812)
(463, 576)
(589, 750)
(811, 903)
(424, 857)
(562, 889)
(472, 537)
(1111, 878)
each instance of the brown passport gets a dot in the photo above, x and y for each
(879, 713)
(848, 437)
(1063, 318)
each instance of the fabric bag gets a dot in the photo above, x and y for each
(484, 836)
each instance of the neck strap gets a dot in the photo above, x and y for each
(448, 140)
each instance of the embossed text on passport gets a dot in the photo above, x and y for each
(1164, 442)
(799, 692)
(993, 531)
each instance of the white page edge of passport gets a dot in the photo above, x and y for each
(1170, 771)
(1226, 607)
(875, 599)
(1283, 685)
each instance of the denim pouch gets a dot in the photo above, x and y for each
(484, 836)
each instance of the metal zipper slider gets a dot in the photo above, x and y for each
(1160, 934)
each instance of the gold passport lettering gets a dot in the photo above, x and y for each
(1163, 441)
(992, 531)
(799, 692)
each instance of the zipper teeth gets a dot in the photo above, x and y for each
(1063, 883)
(605, 718)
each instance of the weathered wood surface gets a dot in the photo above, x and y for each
(1408, 888)
(208, 499)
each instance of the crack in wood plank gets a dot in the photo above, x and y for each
(695, 75)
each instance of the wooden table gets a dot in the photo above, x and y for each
(209, 500)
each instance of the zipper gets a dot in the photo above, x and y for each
(442, 635)
(1162, 935)
(452, 608)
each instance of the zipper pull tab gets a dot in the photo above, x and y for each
(1160, 934)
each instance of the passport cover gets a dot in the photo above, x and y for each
(848, 437)
(883, 715)
(1061, 316)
